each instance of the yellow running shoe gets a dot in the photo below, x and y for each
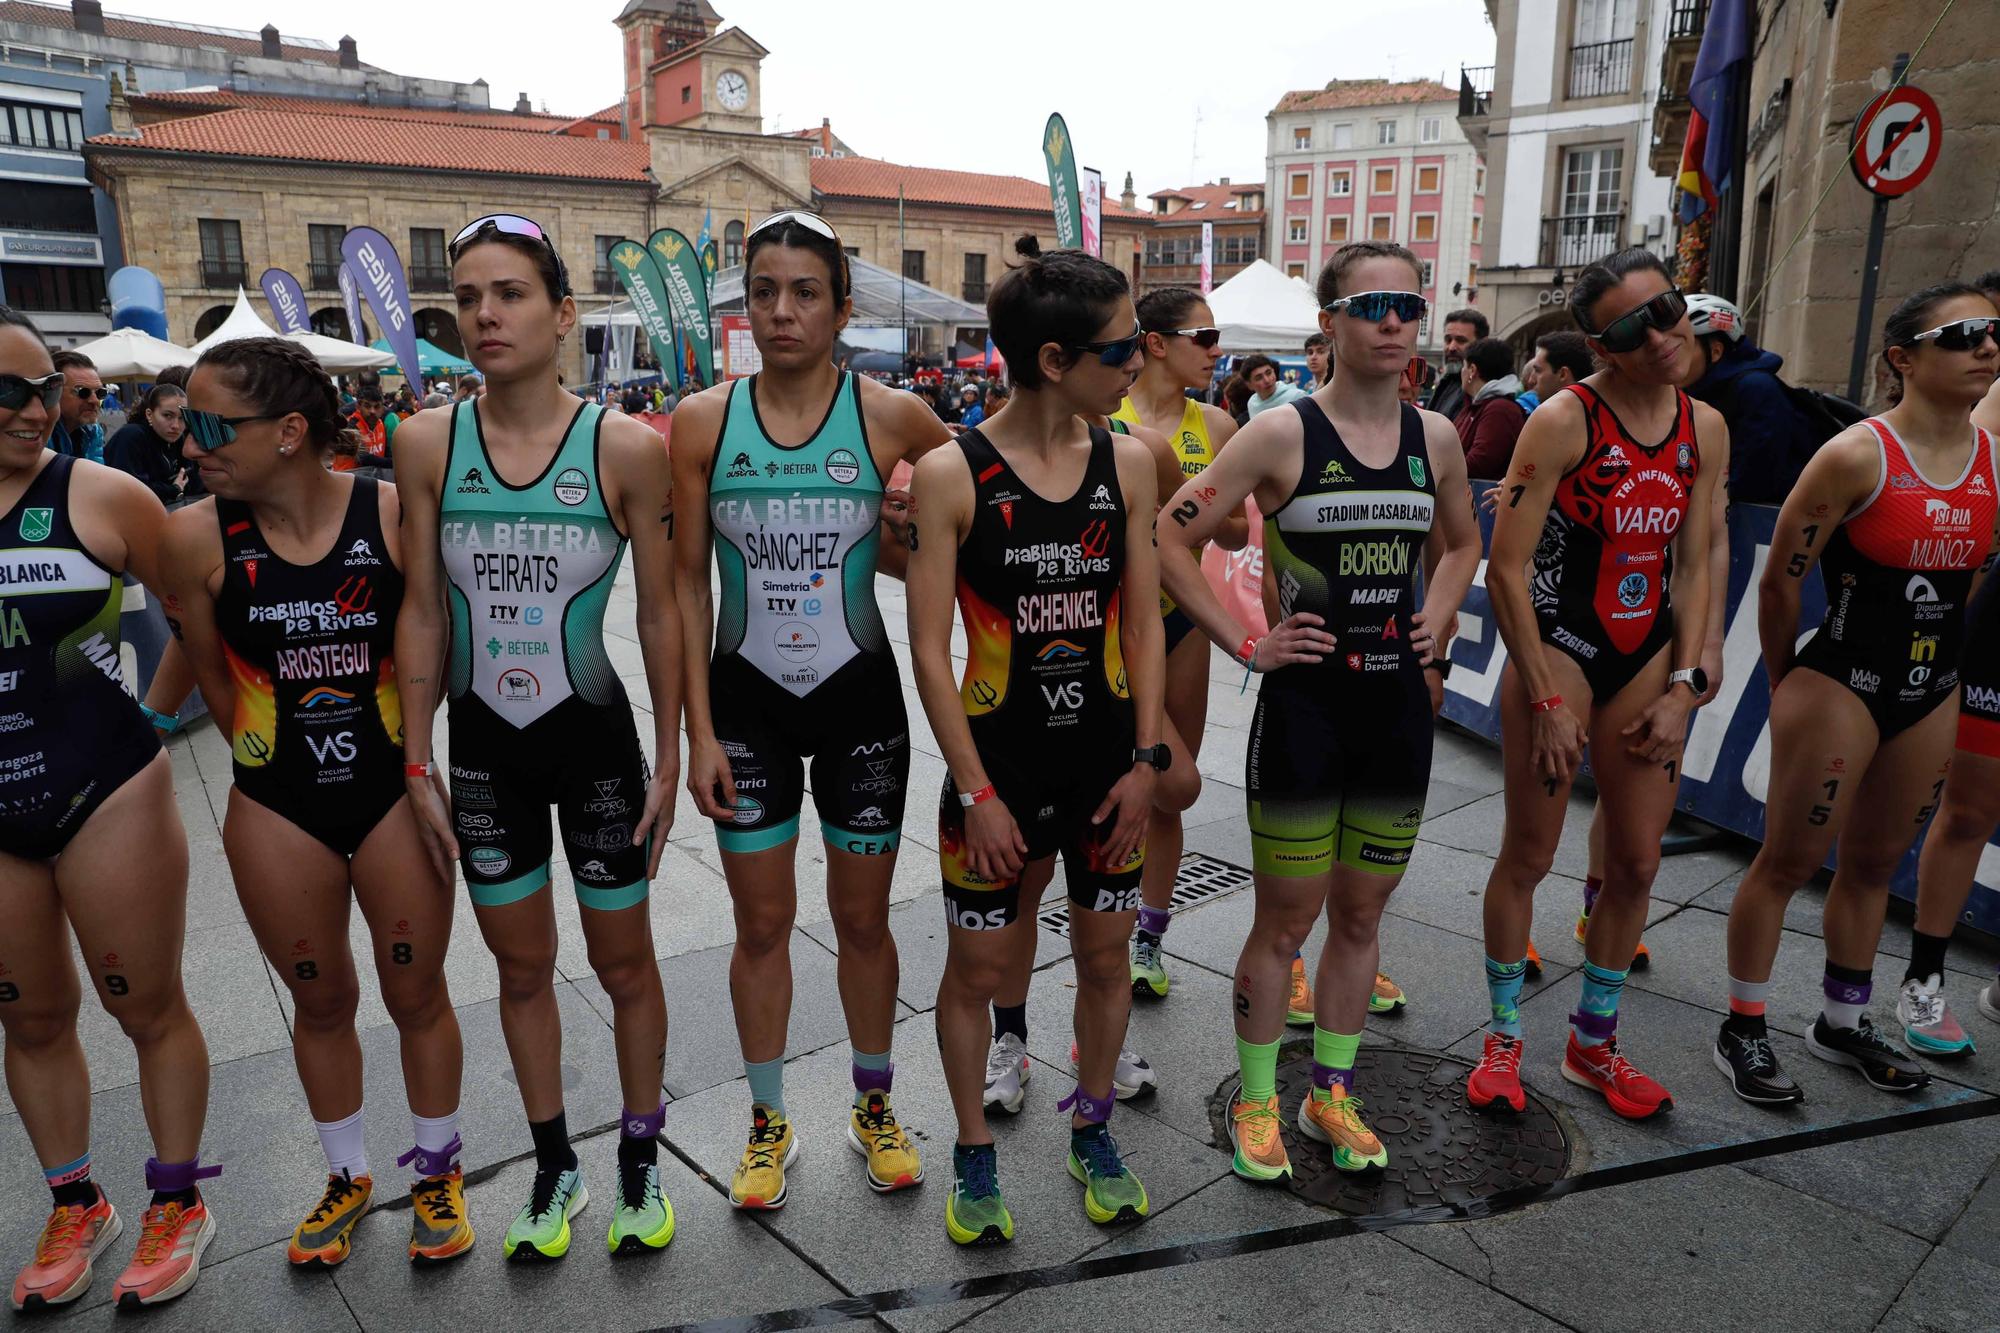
(873, 1132)
(759, 1180)
(1299, 1008)
(1387, 997)
(440, 1228)
(324, 1236)
(1337, 1121)
(1260, 1148)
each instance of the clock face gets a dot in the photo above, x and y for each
(732, 90)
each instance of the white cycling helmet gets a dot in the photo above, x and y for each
(1712, 314)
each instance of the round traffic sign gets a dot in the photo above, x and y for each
(1896, 141)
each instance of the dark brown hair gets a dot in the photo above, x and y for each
(1327, 289)
(278, 377)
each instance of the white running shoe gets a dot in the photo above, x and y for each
(1132, 1078)
(1989, 1001)
(1007, 1073)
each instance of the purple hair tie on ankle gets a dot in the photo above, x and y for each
(1602, 1026)
(434, 1162)
(1094, 1110)
(173, 1177)
(874, 1080)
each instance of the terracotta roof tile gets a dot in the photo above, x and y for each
(142, 30)
(1344, 93)
(1216, 198)
(364, 141)
(198, 100)
(870, 178)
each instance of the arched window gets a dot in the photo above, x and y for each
(211, 320)
(439, 328)
(732, 245)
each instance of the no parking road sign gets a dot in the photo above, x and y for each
(1896, 141)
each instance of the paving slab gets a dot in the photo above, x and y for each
(1951, 1292)
(1920, 1182)
(1977, 1229)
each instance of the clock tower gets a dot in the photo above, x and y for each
(683, 69)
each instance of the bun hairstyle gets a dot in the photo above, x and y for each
(278, 377)
(1914, 314)
(1061, 297)
(1596, 279)
(793, 236)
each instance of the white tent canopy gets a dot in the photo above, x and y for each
(1262, 310)
(333, 354)
(126, 354)
(243, 322)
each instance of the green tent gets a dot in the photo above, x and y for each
(434, 360)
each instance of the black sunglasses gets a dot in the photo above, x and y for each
(17, 390)
(1204, 338)
(211, 431)
(85, 391)
(1116, 352)
(1375, 307)
(1961, 335)
(1627, 333)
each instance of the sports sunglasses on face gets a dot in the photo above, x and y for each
(1203, 338)
(211, 431)
(1116, 352)
(812, 222)
(85, 391)
(1375, 307)
(1627, 333)
(17, 390)
(1961, 335)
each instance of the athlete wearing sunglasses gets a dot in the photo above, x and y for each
(1961, 335)
(17, 390)
(1629, 331)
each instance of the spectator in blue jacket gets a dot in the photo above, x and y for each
(77, 432)
(1770, 436)
(974, 411)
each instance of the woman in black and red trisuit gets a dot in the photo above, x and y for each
(1901, 509)
(1607, 497)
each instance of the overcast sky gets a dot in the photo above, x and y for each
(1174, 91)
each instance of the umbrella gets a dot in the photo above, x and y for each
(432, 359)
(129, 353)
(338, 354)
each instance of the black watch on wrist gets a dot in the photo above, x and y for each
(1441, 665)
(1159, 756)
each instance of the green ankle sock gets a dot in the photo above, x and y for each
(1259, 1063)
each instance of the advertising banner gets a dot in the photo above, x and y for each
(740, 356)
(641, 279)
(1207, 257)
(1093, 211)
(679, 264)
(288, 301)
(379, 274)
(350, 301)
(1064, 193)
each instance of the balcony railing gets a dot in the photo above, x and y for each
(1475, 90)
(323, 277)
(1576, 239)
(222, 273)
(430, 278)
(1688, 19)
(1600, 68)
(975, 293)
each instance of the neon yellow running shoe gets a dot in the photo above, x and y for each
(759, 1180)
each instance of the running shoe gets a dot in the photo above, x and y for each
(1534, 961)
(324, 1236)
(873, 1132)
(1254, 1133)
(1642, 957)
(1131, 1077)
(1111, 1192)
(1149, 972)
(1928, 1025)
(541, 1230)
(1337, 1122)
(974, 1212)
(643, 1219)
(759, 1179)
(71, 1240)
(1007, 1074)
(1603, 1068)
(168, 1260)
(1865, 1049)
(1299, 1005)
(1387, 997)
(1496, 1079)
(1989, 1001)
(440, 1226)
(1752, 1069)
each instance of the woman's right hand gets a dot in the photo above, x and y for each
(431, 803)
(1296, 638)
(994, 847)
(708, 781)
(1556, 744)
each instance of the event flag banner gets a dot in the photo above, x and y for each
(379, 274)
(704, 245)
(680, 264)
(288, 300)
(1207, 257)
(710, 261)
(1093, 211)
(1064, 194)
(350, 301)
(641, 277)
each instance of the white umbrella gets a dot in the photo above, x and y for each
(125, 354)
(242, 323)
(339, 355)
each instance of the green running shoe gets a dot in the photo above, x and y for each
(644, 1220)
(1111, 1192)
(974, 1212)
(1149, 974)
(542, 1228)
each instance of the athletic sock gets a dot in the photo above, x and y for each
(767, 1084)
(1258, 1062)
(1503, 990)
(552, 1150)
(1153, 923)
(872, 1073)
(1333, 1062)
(1011, 1018)
(1926, 955)
(1746, 1007)
(638, 1137)
(437, 1147)
(1847, 990)
(1596, 1018)
(71, 1184)
(1592, 886)
(341, 1141)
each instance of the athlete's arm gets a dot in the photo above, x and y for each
(420, 625)
(633, 463)
(1165, 467)
(911, 430)
(1454, 533)
(1837, 478)
(1259, 462)
(119, 520)
(1142, 637)
(191, 559)
(1233, 533)
(943, 487)
(1551, 444)
(1718, 589)
(1659, 733)
(697, 430)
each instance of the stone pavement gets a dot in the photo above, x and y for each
(1891, 1231)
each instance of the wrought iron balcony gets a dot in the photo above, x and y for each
(1576, 239)
(1600, 69)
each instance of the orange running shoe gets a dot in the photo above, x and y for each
(1629, 1092)
(1497, 1076)
(327, 1234)
(71, 1240)
(1260, 1148)
(1299, 1007)
(1337, 1122)
(171, 1239)
(440, 1226)
(1534, 972)
(1642, 957)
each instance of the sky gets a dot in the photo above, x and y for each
(1174, 91)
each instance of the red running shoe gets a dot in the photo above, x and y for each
(71, 1240)
(171, 1239)
(1497, 1076)
(1630, 1093)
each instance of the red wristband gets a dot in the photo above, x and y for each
(1247, 654)
(1548, 705)
(968, 799)
(423, 770)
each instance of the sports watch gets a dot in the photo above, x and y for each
(1159, 756)
(1693, 677)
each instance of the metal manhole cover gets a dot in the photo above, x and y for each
(1441, 1152)
(1199, 879)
